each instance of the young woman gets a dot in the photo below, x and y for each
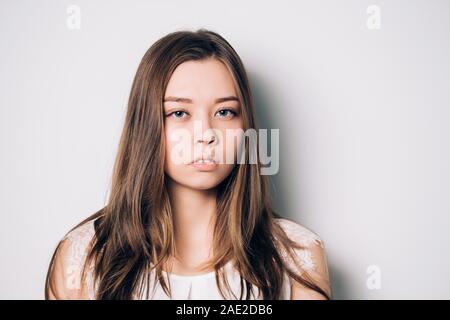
(197, 229)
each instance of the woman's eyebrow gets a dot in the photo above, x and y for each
(187, 100)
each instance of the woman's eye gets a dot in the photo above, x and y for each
(226, 113)
(178, 114)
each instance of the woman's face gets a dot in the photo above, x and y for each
(200, 108)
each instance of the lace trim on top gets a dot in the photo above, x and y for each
(79, 243)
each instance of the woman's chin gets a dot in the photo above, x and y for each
(203, 184)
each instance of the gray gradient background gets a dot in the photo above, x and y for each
(363, 118)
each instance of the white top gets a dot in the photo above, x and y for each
(182, 286)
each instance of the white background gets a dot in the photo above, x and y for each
(363, 117)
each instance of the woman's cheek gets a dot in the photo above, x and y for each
(178, 145)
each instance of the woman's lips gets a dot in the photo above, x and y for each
(204, 165)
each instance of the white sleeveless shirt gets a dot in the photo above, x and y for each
(187, 287)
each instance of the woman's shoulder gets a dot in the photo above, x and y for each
(312, 252)
(299, 233)
(77, 243)
(310, 257)
(81, 235)
(66, 273)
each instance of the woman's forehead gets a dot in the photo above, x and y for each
(201, 80)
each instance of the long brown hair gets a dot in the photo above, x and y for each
(134, 232)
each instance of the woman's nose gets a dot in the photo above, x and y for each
(208, 137)
(204, 132)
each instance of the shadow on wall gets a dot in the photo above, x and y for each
(266, 106)
(338, 283)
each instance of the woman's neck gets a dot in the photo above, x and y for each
(194, 215)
